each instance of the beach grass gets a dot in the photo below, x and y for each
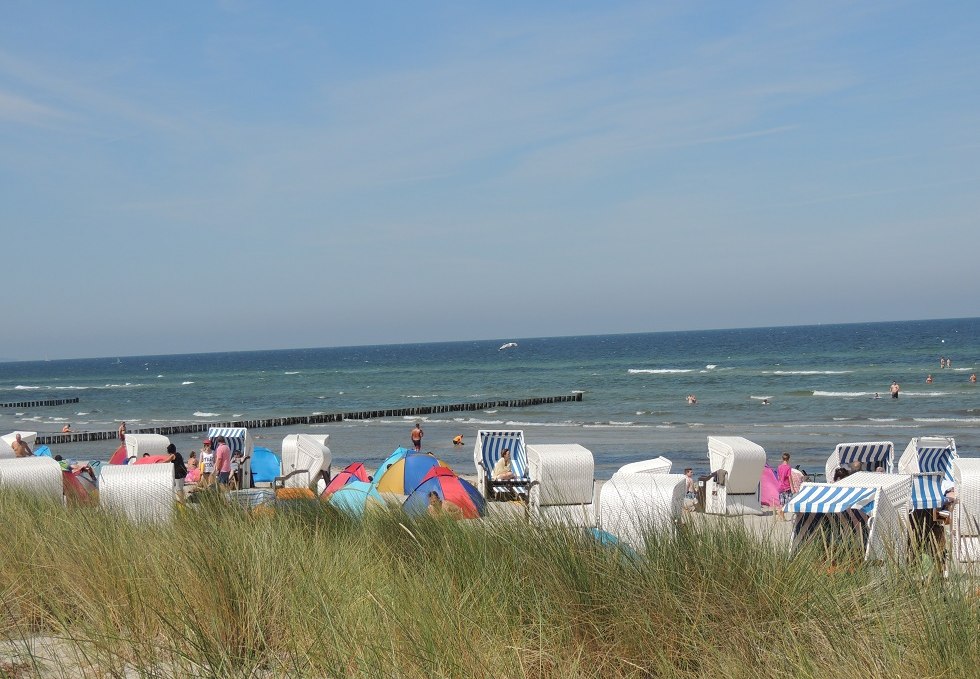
(307, 591)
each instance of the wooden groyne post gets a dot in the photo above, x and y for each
(323, 418)
(38, 404)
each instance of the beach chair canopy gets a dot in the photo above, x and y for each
(7, 440)
(356, 498)
(451, 489)
(741, 459)
(237, 438)
(352, 472)
(966, 511)
(139, 444)
(486, 451)
(40, 476)
(305, 453)
(140, 492)
(927, 491)
(406, 473)
(658, 465)
(871, 455)
(561, 474)
(631, 506)
(929, 455)
(828, 498)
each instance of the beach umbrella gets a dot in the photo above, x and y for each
(152, 459)
(406, 473)
(120, 456)
(352, 472)
(356, 497)
(451, 489)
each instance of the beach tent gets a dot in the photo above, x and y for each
(120, 456)
(265, 465)
(658, 465)
(486, 452)
(398, 454)
(451, 489)
(930, 459)
(965, 550)
(352, 472)
(631, 506)
(305, 459)
(140, 492)
(768, 487)
(356, 497)
(407, 473)
(562, 483)
(152, 459)
(39, 476)
(240, 441)
(7, 440)
(871, 455)
(139, 444)
(736, 464)
(865, 510)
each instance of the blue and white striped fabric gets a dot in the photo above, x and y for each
(933, 460)
(870, 455)
(927, 491)
(234, 437)
(493, 442)
(829, 499)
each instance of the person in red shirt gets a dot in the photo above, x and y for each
(222, 461)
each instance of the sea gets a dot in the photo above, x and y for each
(800, 390)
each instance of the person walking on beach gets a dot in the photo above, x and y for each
(784, 475)
(895, 388)
(417, 437)
(222, 461)
(690, 486)
(122, 432)
(20, 447)
(180, 470)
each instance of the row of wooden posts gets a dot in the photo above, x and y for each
(38, 404)
(323, 418)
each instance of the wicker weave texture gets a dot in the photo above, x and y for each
(562, 474)
(304, 452)
(37, 475)
(741, 458)
(632, 506)
(658, 465)
(138, 445)
(143, 492)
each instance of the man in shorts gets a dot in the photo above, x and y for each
(21, 449)
(222, 461)
(895, 389)
(417, 437)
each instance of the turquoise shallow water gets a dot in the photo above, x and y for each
(820, 381)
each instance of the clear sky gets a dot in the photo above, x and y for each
(210, 176)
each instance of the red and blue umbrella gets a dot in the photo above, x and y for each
(406, 473)
(450, 488)
(356, 497)
(352, 472)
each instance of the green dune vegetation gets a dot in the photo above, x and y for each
(308, 592)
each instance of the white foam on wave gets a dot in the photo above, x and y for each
(710, 366)
(883, 419)
(81, 414)
(200, 414)
(490, 412)
(25, 387)
(234, 415)
(291, 372)
(811, 372)
(578, 391)
(961, 420)
(159, 375)
(924, 394)
(844, 394)
(69, 388)
(183, 384)
(656, 371)
(761, 398)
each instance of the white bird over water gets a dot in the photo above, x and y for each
(509, 345)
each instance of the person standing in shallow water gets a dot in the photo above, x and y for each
(417, 436)
(895, 388)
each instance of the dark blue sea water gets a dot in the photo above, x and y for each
(820, 381)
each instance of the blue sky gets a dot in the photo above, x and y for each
(180, 177)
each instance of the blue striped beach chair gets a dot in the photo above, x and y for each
(239, 440)
(486, 453)
(870, 454)
(930, 461)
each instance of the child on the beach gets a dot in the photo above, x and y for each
(207, 464)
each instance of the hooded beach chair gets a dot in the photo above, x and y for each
(658, 465)
(736, 467)
(239, 441)
(7, 441)
(141, 492)
(486, 452)
(562, 483)
(930, 460)
(138, 445)
(965, 550)
(39, 476)
(871, 455)
(864, 510)
(631, 506)
(306, 460)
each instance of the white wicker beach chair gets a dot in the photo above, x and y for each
(36, 475)
(874, 505)
(631, 506)
(562, 483)
(930, 459)
(965, 550)
(138, 445)
(740, 462)
(871, 455)
(143, 492)
(486, 452)
(305, 458)
(240, 441)
(28, 437)
(658, 465)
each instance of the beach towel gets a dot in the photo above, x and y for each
(768, 487)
